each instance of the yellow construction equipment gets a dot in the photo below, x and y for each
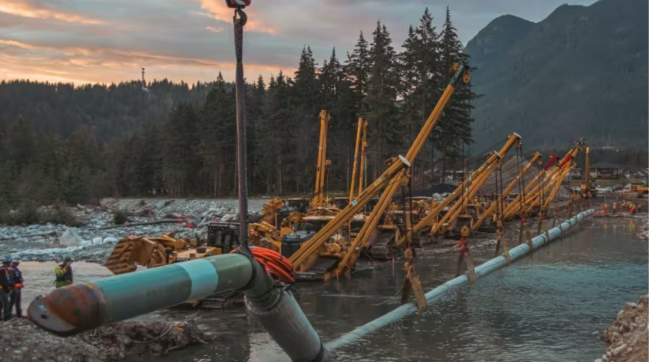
(588, 190)
(359, 156)
(322, 163)
(499, 197)
(391, 178)
(451, 217)
(152, 252)
(639, 189)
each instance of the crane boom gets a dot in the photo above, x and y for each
(350, 257)
(356, 158)
(322, 159)
(395, 172)
(493, 206)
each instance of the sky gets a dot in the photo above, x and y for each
(105, 41)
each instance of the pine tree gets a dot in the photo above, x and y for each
(305, 101)
(357, 69)
(421, 84)
(384, 132)
(212, 145)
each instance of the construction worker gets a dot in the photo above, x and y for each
(6, 285)
(614, 208)
(16, 294)
(63, 273)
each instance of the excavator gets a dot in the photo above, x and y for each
(390, 180)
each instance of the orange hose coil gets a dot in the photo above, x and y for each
(277, 265)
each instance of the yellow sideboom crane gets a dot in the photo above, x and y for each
(431, 217)
(396, 172)
(491, 210)
(321, 164)
(536, 187)
(452, 214)
(359, 152)
(554, 181)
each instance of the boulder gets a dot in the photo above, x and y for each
(70, 238)
(97, 241)
(110, 240)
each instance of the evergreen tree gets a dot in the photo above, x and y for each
(357, 69)
(384, 132)
(455, 124)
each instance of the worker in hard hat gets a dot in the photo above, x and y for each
(6, 285)
(614, 208)
(16, 293)
(63, 273)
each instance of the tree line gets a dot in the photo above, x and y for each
(78, 144)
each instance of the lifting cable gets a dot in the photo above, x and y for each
(278, 266)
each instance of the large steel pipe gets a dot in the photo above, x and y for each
(433, 295)
(77, 308)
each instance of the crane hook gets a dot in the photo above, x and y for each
(242, 16)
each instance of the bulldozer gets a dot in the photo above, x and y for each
(152, 252)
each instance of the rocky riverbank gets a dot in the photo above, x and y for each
(94, 240)
(20, 340)
(628, 335)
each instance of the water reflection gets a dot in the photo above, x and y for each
(545, 307)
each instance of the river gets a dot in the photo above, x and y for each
(551, 306)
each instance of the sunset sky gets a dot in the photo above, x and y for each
(110, 40)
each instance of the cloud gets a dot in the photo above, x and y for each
(110, 40)
(218, 11)
(27, 10)
(213, 29)
(97, 65)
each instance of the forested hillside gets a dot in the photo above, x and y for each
(75, 144)
(582, 71)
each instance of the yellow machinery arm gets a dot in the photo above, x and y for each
(266, 230)
(311, 246)
(356, 158)
(556, 177)
(532, 188)
(350, 257)
(558, 183)
(364, 161)
(461, 204)
(395, 172)
(493, 206)
(322, 160)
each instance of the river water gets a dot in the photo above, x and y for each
(548, 306)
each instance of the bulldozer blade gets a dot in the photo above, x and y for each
(118, 261)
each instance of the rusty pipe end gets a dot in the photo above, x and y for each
(69, 310)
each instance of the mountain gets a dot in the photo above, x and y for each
(581, 72)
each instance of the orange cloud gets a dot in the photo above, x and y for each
(218, 11)
(26, 10)
(214, 30)
(105, 65)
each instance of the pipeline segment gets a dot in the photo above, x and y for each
(77, 308)
(481, 271)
